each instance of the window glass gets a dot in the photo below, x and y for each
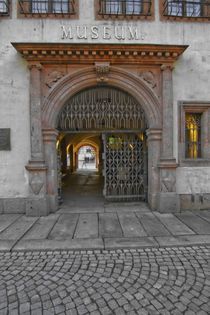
(175, 8)
(39, 6)
(3, 6)
(113, 7)
(193, 8)
(134, 7)
(193, 135)
(60, 6)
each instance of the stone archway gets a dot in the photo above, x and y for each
(143, 70)
(118, 78)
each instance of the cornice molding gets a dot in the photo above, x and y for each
(63, 53)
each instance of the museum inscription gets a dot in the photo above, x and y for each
(94, 32)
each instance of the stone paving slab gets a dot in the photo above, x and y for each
(7, 220)
(173, 224)
(87, 226)
(64, 228)
(129, 242)
(194, 222)
(184, 240)
(152, 225)
(130, 225)
(18, 228)
(113, 230)
(6, 245)
(59, 245)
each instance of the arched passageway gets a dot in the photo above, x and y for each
(105, 126)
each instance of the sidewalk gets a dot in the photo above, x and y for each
(116, 225)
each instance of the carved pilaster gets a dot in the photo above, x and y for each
(168, 199)
(35, 111)
(154, 137)
(50, 138)
(167, 101)
(37, 204)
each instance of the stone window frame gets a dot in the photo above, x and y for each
(181, 18)
(9, 13)
(29, 15)
(202, 108)
(120, 17)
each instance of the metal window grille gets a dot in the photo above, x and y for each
(193, 135)
(47, 7)
(125, 7)
(4, 7)
(185, 8)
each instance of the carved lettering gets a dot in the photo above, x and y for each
(66, 34)
(100, 32)
(119, 32)
(81, 32)
(106, 32)
(94, 32)
(133, 33)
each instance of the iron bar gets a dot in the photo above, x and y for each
(125, 7)
(46, 7)
(4, 7)
(185, 8)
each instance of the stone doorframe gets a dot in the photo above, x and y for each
(144, 71)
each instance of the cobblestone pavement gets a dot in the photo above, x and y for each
(168, 280)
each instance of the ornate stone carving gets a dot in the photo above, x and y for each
(53, 77)
(168, 182)
(102, 70)
(149, 78)
(36, 183)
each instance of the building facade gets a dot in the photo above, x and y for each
(128, 78)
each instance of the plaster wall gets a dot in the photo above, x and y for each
(191, 81)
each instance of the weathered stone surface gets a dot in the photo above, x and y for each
(36, 207)
(168, 202)
(14, 205)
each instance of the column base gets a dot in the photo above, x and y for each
(37, 207)
(153, 201)
(169, 202)
(53, 203)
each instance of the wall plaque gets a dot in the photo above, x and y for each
(5, 139)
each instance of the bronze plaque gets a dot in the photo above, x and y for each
(5, 139)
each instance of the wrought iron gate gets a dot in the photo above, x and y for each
(125, 167)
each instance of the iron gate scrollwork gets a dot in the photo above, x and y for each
(125, 167)
(101, 108)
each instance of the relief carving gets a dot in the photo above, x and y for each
(149, 78)
(102, 69)
(53, 77)
(168, 182)
(36, 183)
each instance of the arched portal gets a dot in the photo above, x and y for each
(65, 100)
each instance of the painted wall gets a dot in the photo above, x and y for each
(191, 81)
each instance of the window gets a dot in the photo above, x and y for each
(193, 135)
(4, 7)
(125, 7)
(120, 7)
(186, 8)
(47, 7)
